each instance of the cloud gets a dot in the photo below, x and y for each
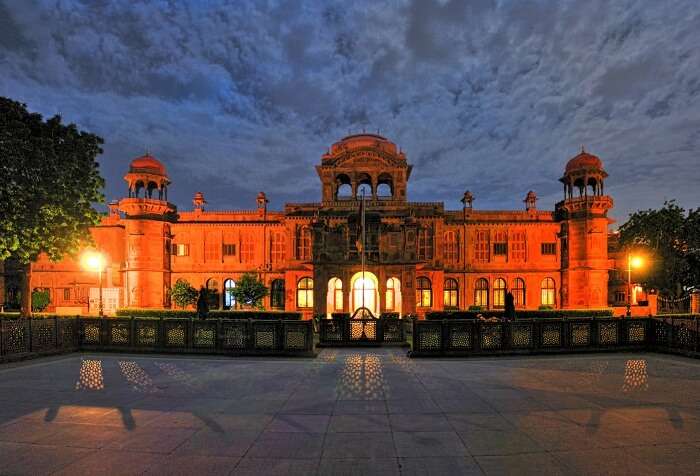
(494, 96)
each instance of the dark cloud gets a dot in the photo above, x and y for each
(239, 96)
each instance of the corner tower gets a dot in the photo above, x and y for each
(148, 213)
(584, 233)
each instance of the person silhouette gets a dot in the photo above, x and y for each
(509, 306)
(202, 304)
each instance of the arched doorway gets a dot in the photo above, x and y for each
(364, 286)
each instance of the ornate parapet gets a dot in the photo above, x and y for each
(146, 207)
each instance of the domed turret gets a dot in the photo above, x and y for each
(147, 178)
(584, 172)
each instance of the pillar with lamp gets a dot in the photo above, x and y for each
(632, 262)
(95, 261)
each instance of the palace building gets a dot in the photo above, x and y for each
(418, 256)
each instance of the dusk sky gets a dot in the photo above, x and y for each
(239, 96)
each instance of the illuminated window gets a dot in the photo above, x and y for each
(229, 300)
(335, 295)
(304, 243)
(425, 243)
(451, 293)
(305, 293)
(518, 246)
(481, 246)
(277, 247)
(277, 294)
(549, 248)
(229, 250)
(247, 248)
(66, 294)
(424, 292)
(481, 293)
(499, 292)
(393, 291)
(548, 289)
(519, 291)
(451, 247)
(180, 249)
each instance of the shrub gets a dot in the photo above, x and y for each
(545, 307)
(216, 314)
(475, 308)
(40, 300)
(249, 291)
(340, 315)
(389, 315)
(522, 314)
(183, 293)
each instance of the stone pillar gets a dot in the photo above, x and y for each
(653, 300)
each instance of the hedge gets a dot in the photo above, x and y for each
(528, 314)
(216, 314)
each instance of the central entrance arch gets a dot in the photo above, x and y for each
(364, 292)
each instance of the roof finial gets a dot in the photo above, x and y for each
(583, 150)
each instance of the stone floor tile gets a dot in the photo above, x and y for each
(419, 422)
(428, 443)
(23, 431)
(478, 421)
(124, 463)
(535, 464)
(603, 461)
(359, 423)
(413, 406)
(276, 466)
(359, 467)
(464, 406)
(359, 407)
(152, 440)
(308, 407)
(186, 465)
(493, 442)
(219, 443)
(439, 466)
(299, 423)
(85, 436)
(287, 445)
(358, 445)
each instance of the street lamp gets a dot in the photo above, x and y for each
(95, 261)
(632, 262)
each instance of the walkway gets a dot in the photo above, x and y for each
(351, 411)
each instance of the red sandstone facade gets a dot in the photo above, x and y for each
(419, 256)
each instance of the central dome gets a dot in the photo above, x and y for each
(584, 161)
(364, 141)
(149, 164)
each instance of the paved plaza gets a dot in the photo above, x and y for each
(350, 411)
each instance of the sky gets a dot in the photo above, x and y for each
(238, 96)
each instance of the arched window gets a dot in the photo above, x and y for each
(343, 187)
(499, 292)
(304, 243)
(393, 295)
(334, 302)
(450, 247)
(213, 293)
(451, 294)
(481, 293)
(385, 186)
(547, 289)
(305, 293)
(229, 300)
(277, 294)
(364, 186)
(424, 292)
(519, 292)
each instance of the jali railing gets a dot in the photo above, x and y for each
(342, 331)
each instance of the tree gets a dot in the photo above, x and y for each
(249, 291)
(671, 237)
(49, 181)
(183, 293)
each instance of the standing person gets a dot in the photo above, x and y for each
(202, 304)
(509, 306)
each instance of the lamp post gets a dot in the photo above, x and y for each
(632, 262)
(94, 261)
